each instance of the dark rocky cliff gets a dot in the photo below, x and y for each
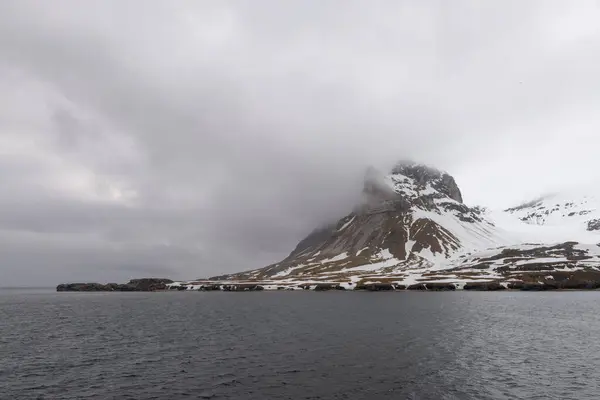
(134, 285)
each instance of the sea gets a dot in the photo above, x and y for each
(299, 345)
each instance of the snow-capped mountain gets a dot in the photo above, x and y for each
(413, 217)
(571, 213)
(413, 230)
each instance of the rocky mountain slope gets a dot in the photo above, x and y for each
(413, 230)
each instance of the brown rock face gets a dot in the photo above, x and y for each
(429, 235)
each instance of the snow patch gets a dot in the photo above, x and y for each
(347, 224)
(361, 250)
(288, 271)
(339, 257)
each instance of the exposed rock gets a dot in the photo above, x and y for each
(440, 286)
(325, 287)
(210, 288)
(423, 174)
(483, 286)
(417, 286)
(376, 287)
(434, 286)
(566, 249)
(582, 279)
(528, 286)
(83, 287)
(149, 284)
(241, 288)
(135, 285)
(559, 280)
(593, 225)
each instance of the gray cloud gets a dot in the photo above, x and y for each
(189, 139)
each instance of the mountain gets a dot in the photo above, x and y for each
(413, 230)
(574, 213)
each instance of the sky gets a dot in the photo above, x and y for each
(187, 139)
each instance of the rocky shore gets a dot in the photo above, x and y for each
(578, 280)
(134, 285)
(569, 282)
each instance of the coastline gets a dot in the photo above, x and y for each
(134, 285)
(167, 285)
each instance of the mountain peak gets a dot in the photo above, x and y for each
(424, 175)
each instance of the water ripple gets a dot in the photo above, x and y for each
(299, 345)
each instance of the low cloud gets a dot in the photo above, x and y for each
(192, 139)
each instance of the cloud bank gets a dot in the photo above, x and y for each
(188, 139)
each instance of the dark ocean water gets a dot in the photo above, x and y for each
(299, 345)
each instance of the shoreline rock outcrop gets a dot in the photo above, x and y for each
(134, 285)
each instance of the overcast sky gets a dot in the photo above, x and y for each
(187, 139)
